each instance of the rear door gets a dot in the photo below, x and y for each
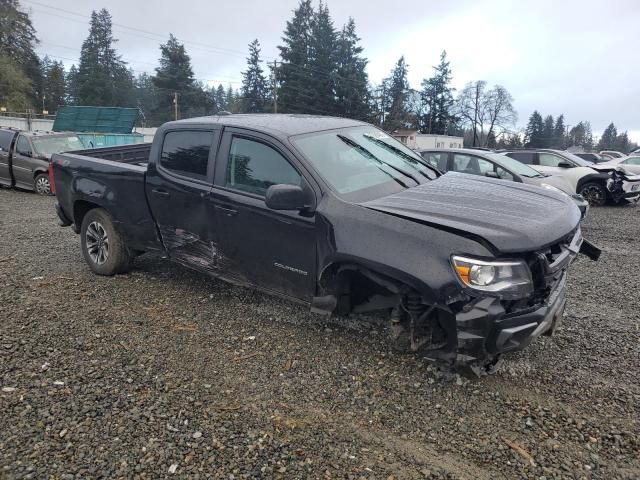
(22, 163)
(273, 250)
(177, 185)
(6, 139)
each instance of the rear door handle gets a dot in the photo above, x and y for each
(229, 212)
(160, 192)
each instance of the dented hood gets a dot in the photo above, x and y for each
(511, 216)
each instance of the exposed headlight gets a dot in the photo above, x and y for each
(507, 279)
(551, 187)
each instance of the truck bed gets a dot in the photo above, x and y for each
(112, 178)
(137, 154)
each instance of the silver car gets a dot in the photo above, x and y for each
(489, 164)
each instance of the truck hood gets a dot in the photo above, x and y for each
(511, 216)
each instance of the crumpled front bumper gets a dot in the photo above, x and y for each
(486, 329)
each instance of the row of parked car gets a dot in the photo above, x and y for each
(613, 181)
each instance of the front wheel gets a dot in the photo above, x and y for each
(103, 248)
(594, 193)
(41, 184)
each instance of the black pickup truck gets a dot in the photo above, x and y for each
(336, 214)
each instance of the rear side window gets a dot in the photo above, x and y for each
(253, 167)
(522, 157)
(5, 140)
(187, 152)
(471, 164)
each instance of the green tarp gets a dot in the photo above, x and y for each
(95, 119)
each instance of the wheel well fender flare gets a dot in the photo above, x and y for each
(592, 178)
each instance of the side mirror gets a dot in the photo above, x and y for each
(285, 197)
(565, 165)
(491, 174)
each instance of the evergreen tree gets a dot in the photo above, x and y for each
(175, 76)
(54, 86)
(220, 99)
(353, 98)
(437, 100)
(588, 137)
(17, 43)
(322, 62)
(102, 78)
(622, 143)
(71, 86)
(254, 84)
(534, 133)
(560, 140)
(577, 135)
(608, 139)
(15, 87)
(514, 141)
(146, 98)
(395, 91)
(295, 93)
(548, 132)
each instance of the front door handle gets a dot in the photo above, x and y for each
(229, 212)
(160, 193)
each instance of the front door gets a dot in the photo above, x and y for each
(550, 163)
(273, 250)
(177, 186)
(22, 163)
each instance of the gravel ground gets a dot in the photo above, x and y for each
(165, 373)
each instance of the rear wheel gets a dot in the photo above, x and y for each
(41, 184)
(103, 248)
(594, 193)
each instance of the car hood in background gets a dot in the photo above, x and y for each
(511, 216)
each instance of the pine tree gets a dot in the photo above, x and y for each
(254, 84)
(353, 99)
(322, 62)
(146, 98)
(102, 78)
(560, 139)
(577, 135)
(622, 143)
(294, 74)
(220, 99)
(17, 43)
(396, 94)
(71, 86)
(175, 76)
(534, 133)
(15, 87)
(588, 137)
(54, 86)
(608, 139)
(437, 100)
(548, 132)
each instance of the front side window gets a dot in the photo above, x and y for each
(471, 164)
(632, 161)
(549, 160)
(254, 166)
(5, 139)
(22, 146)
(187, 152)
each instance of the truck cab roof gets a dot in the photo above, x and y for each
(282, 125)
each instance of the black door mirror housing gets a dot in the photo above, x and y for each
(565, 165)
(285, 197)
(491, 174)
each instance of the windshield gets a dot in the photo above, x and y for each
(513, 165)
(47, 146)
(580, 161)
(363, 159)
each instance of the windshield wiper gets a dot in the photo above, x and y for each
(404, 155)
(367, 153)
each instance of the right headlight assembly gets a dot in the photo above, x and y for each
(506, 279)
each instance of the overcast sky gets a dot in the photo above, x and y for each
(579, 58)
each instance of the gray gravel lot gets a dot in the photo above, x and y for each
(165, 373)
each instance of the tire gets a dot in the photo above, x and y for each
(41, 184)
(103, 248)
(594, 193)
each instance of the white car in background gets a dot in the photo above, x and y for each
(630, 164)
(597, 183)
